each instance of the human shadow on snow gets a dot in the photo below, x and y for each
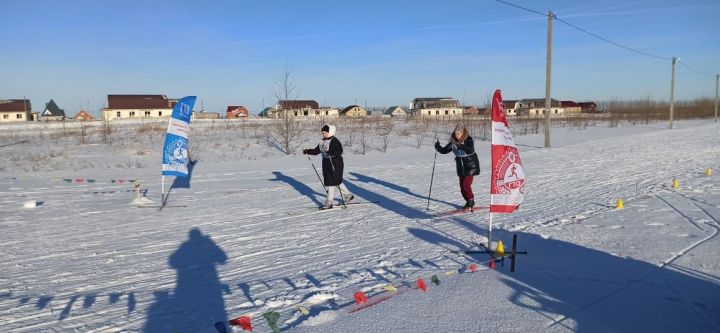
(197, 302)
(386, 203)
(587, 290)
(183, 182)
(298, 186)
(367, 179)
(180, 182)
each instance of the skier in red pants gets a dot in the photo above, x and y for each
(466, 161)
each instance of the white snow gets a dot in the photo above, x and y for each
(241, 236)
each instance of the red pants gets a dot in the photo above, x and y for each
(466, 188)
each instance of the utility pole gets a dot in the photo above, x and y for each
(548, 72)
(672, 91)
(717, 79)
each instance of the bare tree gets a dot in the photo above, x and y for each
(363, 132)
(384, 128)
(285, 84)
(288, 129)
(419, 127)
(105, 131)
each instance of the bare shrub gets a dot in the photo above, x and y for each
(419, 129)
(105, 131)
(383, 128)
(363, 129)
(288, 132)
(83, 133)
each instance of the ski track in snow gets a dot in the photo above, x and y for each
(715, 225)
(91, 262)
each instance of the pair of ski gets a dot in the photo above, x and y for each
(323, 208)
(459, 211)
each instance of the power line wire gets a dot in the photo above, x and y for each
(695, 70)
(587, 32)
(611, 42)
(523, 8)
(604, 39)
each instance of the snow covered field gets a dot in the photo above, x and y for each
(241, 237)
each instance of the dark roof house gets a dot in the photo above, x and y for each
(298, 104)
(14, 105)
(53, 111)
(140, 102)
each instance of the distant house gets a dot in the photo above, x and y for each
(205, 115)
(236, 111)
(264, 113)
(83, 116)
(137, 106)
(436, 107)
(536, 107)
(353, 111)
(397, 111)
(588, 107)
(510, 107)
(470, 111)
(570, 107)
(301, 108)
(52, 112)
(12, 110)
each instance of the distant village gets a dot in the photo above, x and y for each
(121, 107)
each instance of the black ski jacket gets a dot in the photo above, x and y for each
(332, 162)
(466, 160)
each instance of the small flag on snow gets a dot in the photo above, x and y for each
(421, 284)
(272, 319)
(360, 297)
(390, 288)
(434, 279)
(303, 310)
(243, 321)
(473, 268)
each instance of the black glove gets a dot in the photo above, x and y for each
(437, 145)
(305, 151)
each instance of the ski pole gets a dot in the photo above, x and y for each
(431, 178)
(318, 175)
(338, 186)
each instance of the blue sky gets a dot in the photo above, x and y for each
(379, 53)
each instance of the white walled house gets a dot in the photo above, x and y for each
(396, 111)
(536, 107)
(16, 110)
(510, 108)
(353, 111)
(436, 107)
(302, 109)
(137, 106)
(571, 107)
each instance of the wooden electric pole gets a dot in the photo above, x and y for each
(717, 79)
(672, 91)
(548, 74)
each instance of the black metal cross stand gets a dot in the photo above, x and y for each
(513, 253)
